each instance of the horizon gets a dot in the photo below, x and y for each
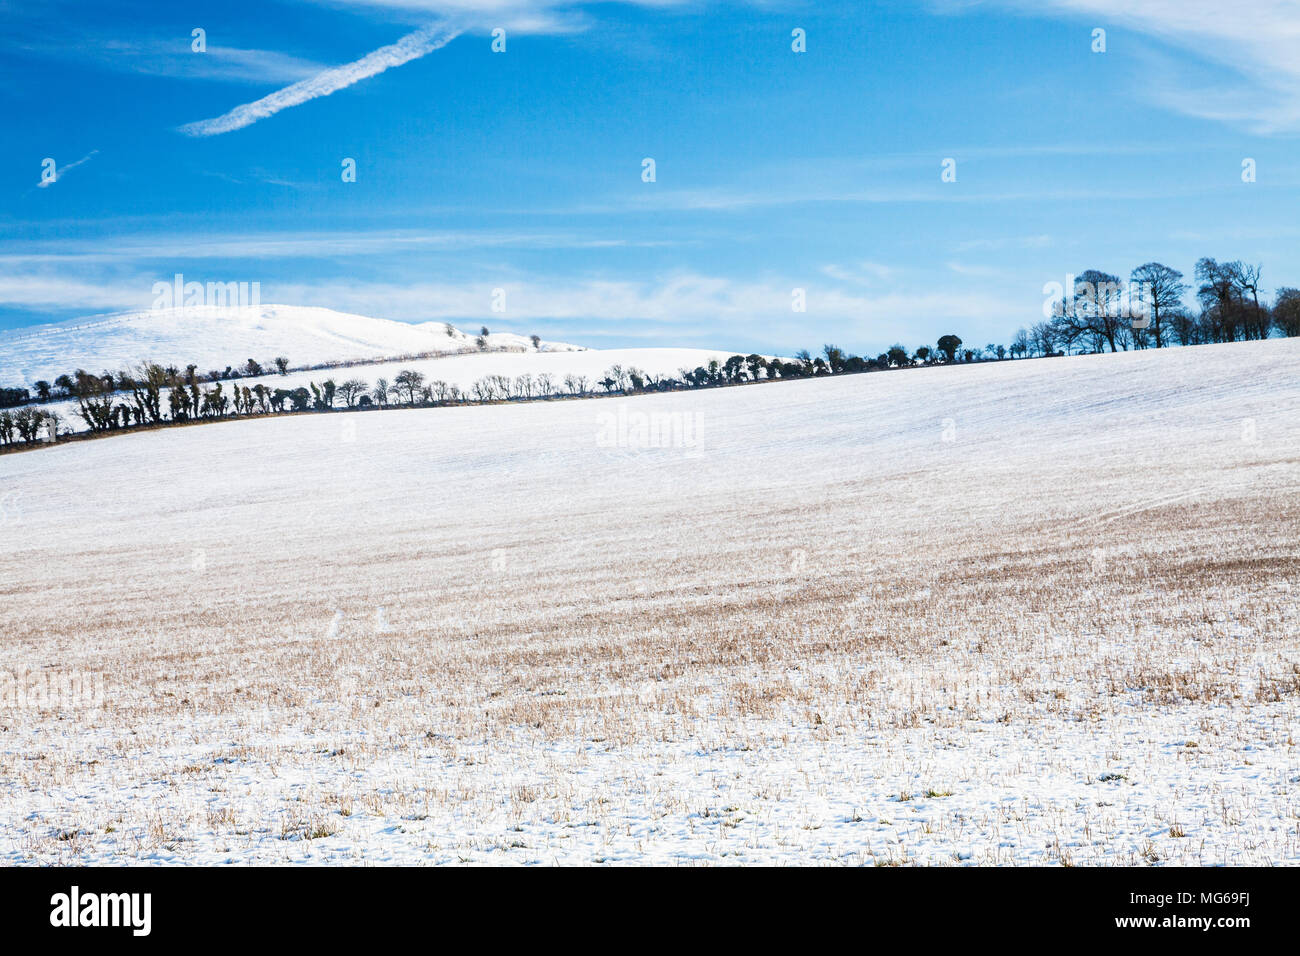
(228, 164)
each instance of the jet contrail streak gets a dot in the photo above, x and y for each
(408, 48)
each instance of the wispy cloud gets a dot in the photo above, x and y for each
(226, 64)
(1257, 40)
(1000, 243)
(680, 303)
(679, 307)
(974, 271)
(408, 48)
(726, 200)
(516, 16)
(61, 171)
(861, 273)
(71, 38)
(44, 293)
(319, 244)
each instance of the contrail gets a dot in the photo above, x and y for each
(408, 48)
(61, 171)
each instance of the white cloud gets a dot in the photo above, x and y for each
(1258, 40)
(524, 16)
(725, 199)
(677, 304)
(860, 273)
(49, 293)
(520, 16)
(410, 47)
(998, 244)
(320, 244)
(681, 301)
(229, 64)
(167, 57)
(975, 271)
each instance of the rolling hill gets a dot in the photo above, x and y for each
(217, 337)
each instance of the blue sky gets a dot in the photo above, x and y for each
(522, 170)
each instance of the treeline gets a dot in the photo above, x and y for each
(1100, 313)
(153, 395)
(72, 385)
(67, 386)
(28, 426)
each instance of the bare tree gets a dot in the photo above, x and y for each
(1020, 344)
(351, 391)
(1040, 338)
(618, 375)
(1220, 297)
(1286, 311)
(1162, 294)
(1255, 317)
(1095, 311)
(411, 382)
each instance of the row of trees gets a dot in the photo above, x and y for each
(152, 394)
(27, 426)
(77, 383)
(1100, 313)
(74, 385)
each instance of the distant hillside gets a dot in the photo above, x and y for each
(215, 337)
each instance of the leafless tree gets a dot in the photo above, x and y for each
(351, 391)
(1095, 311)
(411, 382)
(1286, 311)
(1162, 292)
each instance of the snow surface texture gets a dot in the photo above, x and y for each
(214, 337)
(1032, 612)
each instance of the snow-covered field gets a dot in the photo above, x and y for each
(214, 337)
(1037, 612)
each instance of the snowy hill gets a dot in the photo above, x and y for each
(215, 337)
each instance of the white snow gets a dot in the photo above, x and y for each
(217, 338)
(214, 337)
(1032, 612)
